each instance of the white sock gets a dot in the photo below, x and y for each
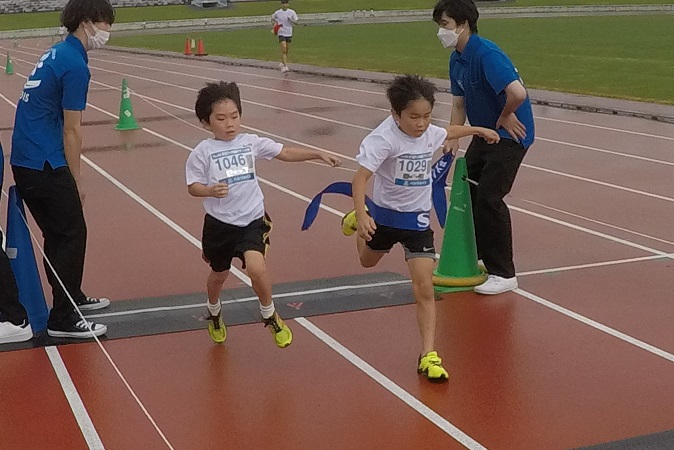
(267, 311)
(213, 309)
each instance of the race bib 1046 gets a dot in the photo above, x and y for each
(413, 170)
(233, 166)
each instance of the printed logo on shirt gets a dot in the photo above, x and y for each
(233, 166)
(413, 170)
(33, 83)
(424, 221)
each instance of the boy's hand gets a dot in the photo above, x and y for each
(513, 126)
(488, 135)
(366, 226)
(331, 160)
(218, 190)
(450, 146)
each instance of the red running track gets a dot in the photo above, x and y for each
(581, 354)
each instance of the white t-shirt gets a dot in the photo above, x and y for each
(284, 18)
(232, 163)
(401, 165)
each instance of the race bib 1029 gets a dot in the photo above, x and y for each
(413, 170)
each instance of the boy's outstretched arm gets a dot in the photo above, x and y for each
(458, 131)
(366, 225)
(292, 154)
(219, 190)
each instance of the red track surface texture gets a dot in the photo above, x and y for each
(581, 354)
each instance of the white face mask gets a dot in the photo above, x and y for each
(448, 38)
(99, 39)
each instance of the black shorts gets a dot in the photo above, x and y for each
(222, 242)
(288, 39)
(417, 244)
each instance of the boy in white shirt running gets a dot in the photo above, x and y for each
(283, 20)
(399, 153)
(222, 170)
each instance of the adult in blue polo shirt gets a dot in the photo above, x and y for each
(45, 158)
(488, 90)
(14, 326)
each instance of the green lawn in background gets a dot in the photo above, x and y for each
(612, 56)
(153, 13)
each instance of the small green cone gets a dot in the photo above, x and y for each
(457, 269)
(9, 66)
(127, 121)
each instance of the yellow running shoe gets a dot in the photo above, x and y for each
(349, 223)
(216, 328)
(430, 365)
(281, 332)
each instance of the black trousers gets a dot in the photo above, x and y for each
(10, 308)
(494, 167)
(52, 197)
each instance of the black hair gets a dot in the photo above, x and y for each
(407, 88)
(285, 1)
(461, 11)
(77, 11)
(214, 93)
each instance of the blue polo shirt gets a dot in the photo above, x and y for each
(480, 74)
(59, 81)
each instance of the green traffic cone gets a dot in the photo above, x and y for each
(9, 66)
(127, 121)
(457, 269)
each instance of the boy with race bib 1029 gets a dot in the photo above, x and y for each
(399, 154)
(222, 171)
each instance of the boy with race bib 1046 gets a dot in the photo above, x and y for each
(399, 153)
(222, 171)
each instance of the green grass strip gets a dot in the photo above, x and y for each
(158, 13)
(613, 56)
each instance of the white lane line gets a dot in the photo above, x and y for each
(596, 325)
(598, 222)
(555, 270)
(341, 214)
(620, 154)
(377, 93)
(413, 399)
(360, 105)
(253, 298)
(390, 386)
(408, 398)
(155, 212)
(589, 231)
(100, 345)
(82, 417)
(609, 152)
(600, 183)
(252, 86)
(152, 100)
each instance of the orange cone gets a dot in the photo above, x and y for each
(188, 47)
(200, 48)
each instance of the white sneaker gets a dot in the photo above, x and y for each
(281, 65)
(285, 69)
(496, 285)
(15, 333)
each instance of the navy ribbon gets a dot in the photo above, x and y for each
(439, 173)
(439, 176)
